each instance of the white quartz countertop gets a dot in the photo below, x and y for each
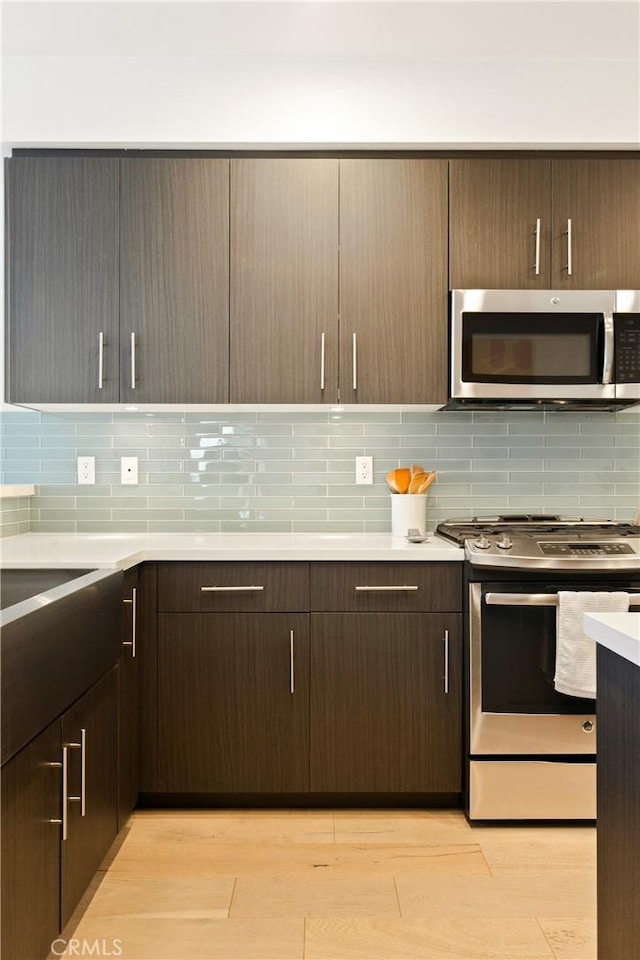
(114, 551)
(618, 632)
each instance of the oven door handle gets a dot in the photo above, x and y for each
(530, 600)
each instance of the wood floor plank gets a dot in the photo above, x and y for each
(359, 895)
(568, 894)
(206, 859)
(162, 898)
(540, 853)
(171, 939)
(571, 939)
(425, 939)
(430, 827)
(287, 828)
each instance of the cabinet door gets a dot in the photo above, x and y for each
(90, 732)
(128, 699)
(284, 281)
(383, 717)
(62, 229)
(601, 200)
(174, 256)
(494, 239)
(393, 281)
(233, 702)
(31, 792)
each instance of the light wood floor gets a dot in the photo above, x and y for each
(343, 885)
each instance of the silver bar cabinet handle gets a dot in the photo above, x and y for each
(100, 359)
(537, 263)
(446, 661)
(83, 772)
(133, 361)
(355, 361)
(65, 799)
(134, 603)
(57, 764)
(396, 588)
(569, 249)
(607, 360)
(291, 666)
(322, 360)
(250, 588)
(82, 747)
(530, 600)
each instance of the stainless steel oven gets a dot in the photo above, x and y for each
(530, 750)
(545, 347)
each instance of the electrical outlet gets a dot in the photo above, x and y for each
(129, 470)
(364, 470)
(87, 470)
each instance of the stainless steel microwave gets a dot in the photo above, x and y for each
(566, 349)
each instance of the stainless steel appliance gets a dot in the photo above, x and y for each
(564, 349)
(530, 751)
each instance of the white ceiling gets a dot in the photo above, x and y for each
(457, 29)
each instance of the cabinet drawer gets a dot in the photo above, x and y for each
(369, 587)
(228, 587)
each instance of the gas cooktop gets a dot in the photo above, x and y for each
(546, 541)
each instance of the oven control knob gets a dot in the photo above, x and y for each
(482, 543)
(505, 543)
(587, 726)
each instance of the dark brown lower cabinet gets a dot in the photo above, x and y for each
(31, 803)
(385, 702)
(89, 732)
(233, 702)
(618, 807)
(45, 874)
(128, 698)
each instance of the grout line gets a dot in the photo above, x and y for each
(395, 887)
(491, 873)
(233, 890)
(546, 940)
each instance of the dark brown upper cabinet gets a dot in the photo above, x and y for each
(62, 256)
(551, 224)
(500, 224)
(596, 224)
(284, 280)
(393, 281)
(174, 267)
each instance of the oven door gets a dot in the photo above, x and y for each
(532, 345)
(514, 707)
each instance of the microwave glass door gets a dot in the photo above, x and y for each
(561, 348)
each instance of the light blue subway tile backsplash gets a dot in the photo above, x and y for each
(14, 516)
(282, 471)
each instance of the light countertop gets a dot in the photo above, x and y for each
(618, 632)
(118, 551)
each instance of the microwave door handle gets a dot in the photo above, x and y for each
(607, 360)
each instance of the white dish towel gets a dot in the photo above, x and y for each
(575, 653)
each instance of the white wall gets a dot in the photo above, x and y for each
(415, 74)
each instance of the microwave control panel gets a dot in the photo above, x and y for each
(627, 350)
